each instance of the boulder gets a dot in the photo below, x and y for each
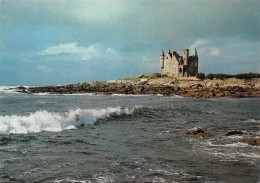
(233, 132)
(198, 132)
(254, 142)
(21, 88)
(204, 135)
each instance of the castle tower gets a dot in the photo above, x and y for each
(162, 59)
(196, 61)
(185, 56)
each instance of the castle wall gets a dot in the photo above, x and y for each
(171, 66)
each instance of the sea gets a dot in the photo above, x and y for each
(85, 138)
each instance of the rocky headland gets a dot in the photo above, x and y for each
(145, 84)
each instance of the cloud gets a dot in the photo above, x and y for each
(205, 47)
(69, 48)
(163, 19)
(214, 51)
(130, 35)
(75, 52)
(45, 69)
(146, 59)
(200, 42)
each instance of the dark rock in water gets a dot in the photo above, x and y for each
(234, 132)
(198, 132)
(204, 135)
(21, 88)
(254, 142)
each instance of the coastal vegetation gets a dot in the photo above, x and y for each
(221, 76)
(200, 76)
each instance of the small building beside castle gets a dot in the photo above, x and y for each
(174, 65)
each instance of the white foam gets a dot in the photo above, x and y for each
(251, 155)
(54, 121)
(73, 94)
(235, 137)
(103, 178)
(7, 89)
(252, 121)
(11, 89)
(134, 95)
(69, 180)
(233, 145)
(41, 94)
(177, 96)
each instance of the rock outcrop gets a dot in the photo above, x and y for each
(167, 87)
(198, 132)
(254, 142)
(233, 132)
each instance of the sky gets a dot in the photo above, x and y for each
(47, 42)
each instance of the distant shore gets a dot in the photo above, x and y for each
(185, 87)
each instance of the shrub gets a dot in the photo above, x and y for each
(201, 76)
(223, 76)
(238, 76)
(164, 76)
(247, 75)
(210, 76)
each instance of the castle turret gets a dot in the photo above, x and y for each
(162, 59)
(185, 56)
(196, 61)
(195, 53)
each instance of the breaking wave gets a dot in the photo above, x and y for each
(57, 121)
(7, 89)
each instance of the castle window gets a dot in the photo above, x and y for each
(166, 57)
(180, 70)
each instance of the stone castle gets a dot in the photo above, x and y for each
(174, 65)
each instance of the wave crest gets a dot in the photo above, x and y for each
(54, 121)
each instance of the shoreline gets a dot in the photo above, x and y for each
(184, 87)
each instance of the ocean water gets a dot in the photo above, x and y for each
(126, 138)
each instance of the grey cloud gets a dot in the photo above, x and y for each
(131, 35)
(163, 19)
